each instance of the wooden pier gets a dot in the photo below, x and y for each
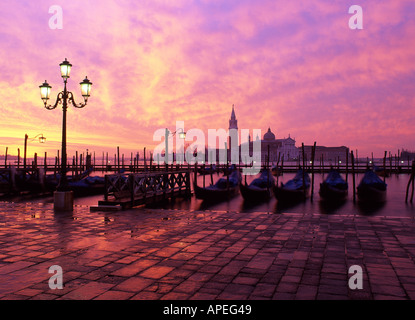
(134, 189)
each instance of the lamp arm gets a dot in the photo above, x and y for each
(34, 138)
(58, 100)
(177, 131)
(72, 100)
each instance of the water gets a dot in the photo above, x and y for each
(394, 206)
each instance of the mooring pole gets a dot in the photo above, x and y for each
(312, 169)
(353, 177)
(411, 181)
(305, 191)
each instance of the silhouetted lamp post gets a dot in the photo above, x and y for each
(182, 135)
(42, 139)
(64, 97)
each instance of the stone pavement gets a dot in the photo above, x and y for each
(172, 254)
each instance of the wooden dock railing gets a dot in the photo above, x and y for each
(133, 189)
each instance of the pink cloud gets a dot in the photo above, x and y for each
(293, 66)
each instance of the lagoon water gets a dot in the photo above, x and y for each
(394, 206)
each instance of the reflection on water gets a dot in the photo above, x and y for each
(368, 209)
(394, 206)
(331, 207)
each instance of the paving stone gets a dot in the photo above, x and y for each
(134, 284)
(137, 254)
(156, 272)
(88, 291)
(115, 295)
(306, 292)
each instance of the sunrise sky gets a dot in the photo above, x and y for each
(294, 66)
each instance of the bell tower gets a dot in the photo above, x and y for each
(233, 149)
(233, 123)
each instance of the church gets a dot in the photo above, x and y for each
(283, 148)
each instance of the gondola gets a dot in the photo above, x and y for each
(381, 171)
(260, 189)
(88, 186)
(276, 171)
(371, 188)
(81, 185)
(207, 170)
(334, 187)
(221, 190)
(293, 190)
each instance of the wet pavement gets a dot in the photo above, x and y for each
(175, 254)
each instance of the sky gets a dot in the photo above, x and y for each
(294, 66)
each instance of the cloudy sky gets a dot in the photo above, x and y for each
(294, 66)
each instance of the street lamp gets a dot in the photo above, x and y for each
(42, 139)
(182, 135)
(64, 97)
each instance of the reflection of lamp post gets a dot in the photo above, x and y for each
(63, 98)
(42, 139)
(182, 135)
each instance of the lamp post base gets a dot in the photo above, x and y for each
(63, 200)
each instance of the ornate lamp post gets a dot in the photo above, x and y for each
(64, 97)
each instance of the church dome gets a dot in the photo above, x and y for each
(269, 136)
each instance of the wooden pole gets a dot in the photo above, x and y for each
(347, 163)
(203, 168)
(305, 192)
(313, 151)
(411, 181)
(76, 163)
(25, 151)
(5, 158)
(118, 159)
(106, 161)
(353, 177)
(145, 160)
(268, 171)
(195, 176)
(18, 158)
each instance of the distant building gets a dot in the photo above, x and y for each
(407, 155)
(282, 148)
(233, 123)
(278, 149)
(333, 154)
